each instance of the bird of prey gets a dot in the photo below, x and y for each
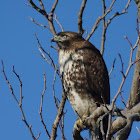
(84, 74)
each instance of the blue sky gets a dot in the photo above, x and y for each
(18, 47)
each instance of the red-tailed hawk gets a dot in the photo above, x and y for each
(85, 76)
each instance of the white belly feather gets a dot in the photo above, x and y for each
(81, 106)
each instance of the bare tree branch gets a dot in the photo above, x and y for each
(63, 100)
(54, 6)
(104, 29)
(138, 30)
(105, 24)
(40, 111)
(80, 15)
(99, 19)
(55, 18)
(38, 23)
(123, 99)
(55, 100)
(62, 126)
(112, 67)
(117, 13)
(121, 121)
(122, 64)
(138, 129)
(49, 17)
(33, 5)
(21, 98)
(42, 54)
(41, 4)
(120, 88)
(119, 124)
(125, 131)
(134, 95)
(58, 117)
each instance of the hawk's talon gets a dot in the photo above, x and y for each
(81, 124)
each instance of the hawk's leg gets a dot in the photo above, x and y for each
(79, 125)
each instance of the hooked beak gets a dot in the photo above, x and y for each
(55, 38)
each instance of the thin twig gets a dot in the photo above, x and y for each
(80, 15)
(55, 18)
(21, 98)
(58, 117)
(54, 6)
(33, 5)
(86, 34)
(128, 41)
(54, 48)
(48, 16)
(42, 54)
(40, 111)
(122, 99)
(138, 129)
(122, 71)
(138, 28)
(112, 67)
(99, 19)
(12, 92)
(38, 23)
(132, 48)
(117, 13)
(112, 77)
(61, 125)
(41, 4)
(55, 100)
(106, 24)
(104, 29)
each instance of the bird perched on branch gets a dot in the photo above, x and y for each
(84, 74)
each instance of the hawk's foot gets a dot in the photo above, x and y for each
(80, 124)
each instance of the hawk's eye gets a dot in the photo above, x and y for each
(64, 37)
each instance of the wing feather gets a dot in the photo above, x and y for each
(96, 74)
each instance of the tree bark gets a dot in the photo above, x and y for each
(134, 97)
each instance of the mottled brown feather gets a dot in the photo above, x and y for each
(96, 72)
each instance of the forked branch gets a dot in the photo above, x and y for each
(48, 16)
(80, 16)
(51, 62)
(99, 19)
(19, 102)
(106, 23)
(121, 85)
(40, 111)
(112, 67)
(63, 100)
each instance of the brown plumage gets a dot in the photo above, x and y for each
(85, 76)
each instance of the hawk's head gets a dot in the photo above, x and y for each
(67, 39)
